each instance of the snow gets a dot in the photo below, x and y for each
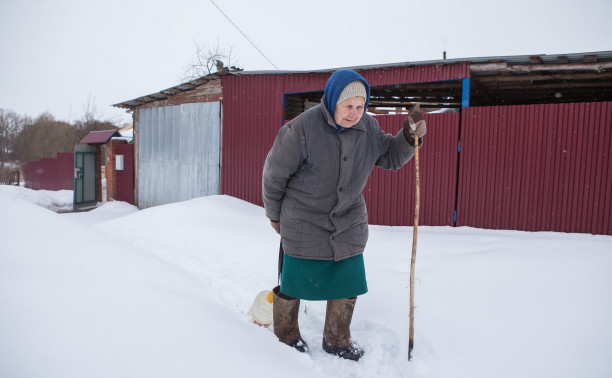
(60, 200)
(164, 292)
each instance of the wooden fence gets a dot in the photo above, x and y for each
(9, 176)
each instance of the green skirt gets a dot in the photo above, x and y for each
(321, 280)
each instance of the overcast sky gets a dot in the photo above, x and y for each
(60, 55)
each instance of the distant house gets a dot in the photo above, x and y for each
(514, 142)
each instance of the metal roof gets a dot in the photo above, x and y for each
(489, 68)
(169, 92)
(99, 137)
(600, 56)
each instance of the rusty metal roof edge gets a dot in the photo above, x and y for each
(515, 59)
(179, 88)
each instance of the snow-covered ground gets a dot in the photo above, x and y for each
(164, 292)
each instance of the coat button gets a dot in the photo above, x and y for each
(345, 158)
(333, 238)
(340, 189)
(333, 215)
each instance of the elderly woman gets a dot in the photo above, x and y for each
(313, 180)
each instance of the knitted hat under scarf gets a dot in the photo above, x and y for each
(336, 84)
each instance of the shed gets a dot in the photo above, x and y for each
(514, 142)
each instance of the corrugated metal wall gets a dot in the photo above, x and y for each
(253, 113)
(50, 173)
(537, 168)
(179, 152)
(390, 195)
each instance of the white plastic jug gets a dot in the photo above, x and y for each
(261, 310)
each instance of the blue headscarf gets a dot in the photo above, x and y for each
(335, 85)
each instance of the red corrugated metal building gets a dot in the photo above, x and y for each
(517, 142)
(253, 113)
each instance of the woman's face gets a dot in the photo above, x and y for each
(349, 111)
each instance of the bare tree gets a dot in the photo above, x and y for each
(91, 115)
(10, 126)
(209, 59)
(92, 120)
(44, 137)
(23, 139)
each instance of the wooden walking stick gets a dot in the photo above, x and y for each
(417, 196)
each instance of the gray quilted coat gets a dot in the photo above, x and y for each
(313, 180)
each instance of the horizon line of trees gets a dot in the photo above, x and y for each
(24, 139)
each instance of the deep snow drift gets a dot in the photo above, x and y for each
(164, 292)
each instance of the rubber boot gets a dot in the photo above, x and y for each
(337, 333)
(285, 311)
